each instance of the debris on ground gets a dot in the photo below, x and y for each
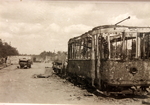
(88, 94)
(79, 98)
(40, 76)
(18, 67)
(48, 72)
(146, 102)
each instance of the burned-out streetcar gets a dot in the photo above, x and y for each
(112, 58)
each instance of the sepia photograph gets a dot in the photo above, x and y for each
(75, 52)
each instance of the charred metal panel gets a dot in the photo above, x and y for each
(126, 73)
(81, 68)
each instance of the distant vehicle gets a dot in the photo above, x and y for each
(25, 63)
(57, 66)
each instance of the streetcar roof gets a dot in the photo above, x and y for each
(113, 26)
(111, 29)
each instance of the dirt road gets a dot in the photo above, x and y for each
(18, 86)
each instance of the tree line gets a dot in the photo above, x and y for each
(7, 50)
(53, 56)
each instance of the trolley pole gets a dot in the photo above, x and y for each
(122, 20)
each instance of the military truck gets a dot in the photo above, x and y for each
(25, 63)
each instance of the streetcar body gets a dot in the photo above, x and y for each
(112, 57)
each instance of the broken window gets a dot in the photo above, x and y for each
(116, 44)
(80, 48)
(86, 48)
(123, 46)
(145, 45)
(130, 43)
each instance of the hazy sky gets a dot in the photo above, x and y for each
(33, 26)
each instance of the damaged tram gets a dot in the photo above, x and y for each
(112, 58)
